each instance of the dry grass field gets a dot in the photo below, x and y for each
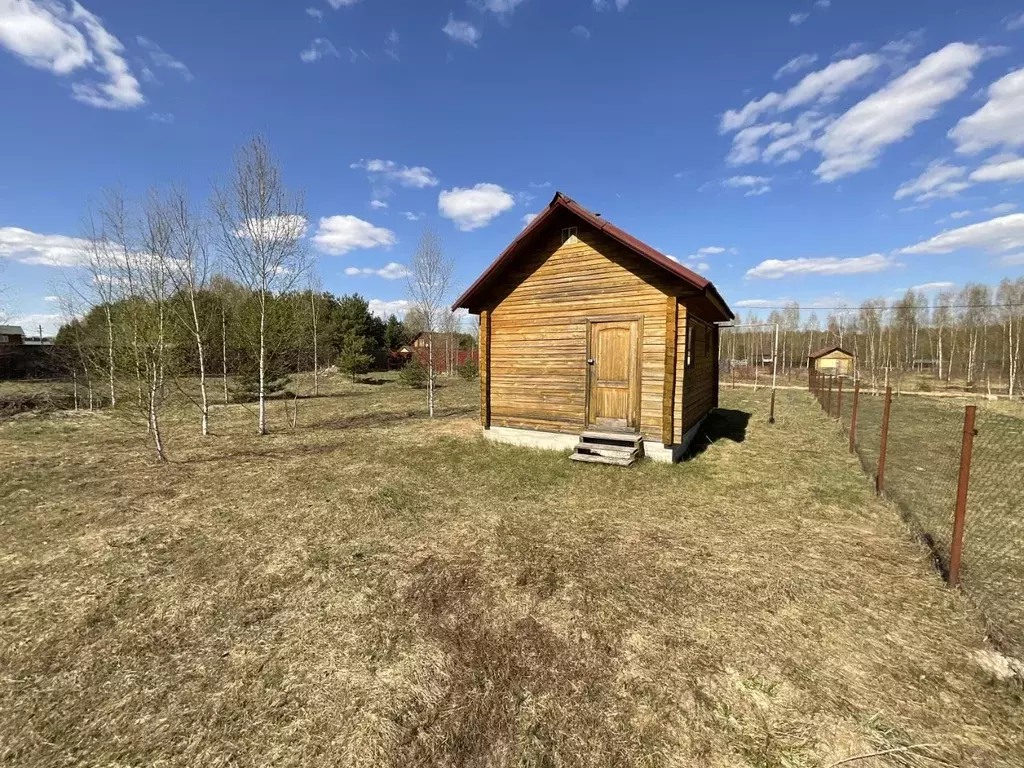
(373, 588)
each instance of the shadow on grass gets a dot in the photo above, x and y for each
(722, 424)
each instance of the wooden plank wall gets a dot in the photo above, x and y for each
(699, 377)
(538, 332)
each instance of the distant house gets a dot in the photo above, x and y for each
(833, 360)
(593, 340)
(446, 350)
(21, 355)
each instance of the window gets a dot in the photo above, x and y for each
(569, 235)
(4, 338)
(689, 344)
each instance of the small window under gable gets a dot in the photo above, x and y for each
(570, 236)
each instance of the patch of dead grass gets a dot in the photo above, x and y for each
(374, 588)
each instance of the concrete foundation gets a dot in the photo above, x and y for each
(559, 441)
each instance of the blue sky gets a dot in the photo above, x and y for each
(819, 151)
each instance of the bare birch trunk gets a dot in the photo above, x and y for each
(110, 355)
(224, 352)
(262, 428)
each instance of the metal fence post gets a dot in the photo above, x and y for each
(771, 413)
(839, 401)
(853, 416)
(884, 444)
(966, 450)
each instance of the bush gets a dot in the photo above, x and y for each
(246, 388)
(469, 369)
(414, 374)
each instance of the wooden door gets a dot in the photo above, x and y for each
(613, 374)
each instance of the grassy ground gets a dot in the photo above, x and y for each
(922, 470)
(374, 589)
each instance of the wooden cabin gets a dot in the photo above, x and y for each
(832, 360)
(589, 337)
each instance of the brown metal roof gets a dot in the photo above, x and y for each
(560, 201)
(826, 350)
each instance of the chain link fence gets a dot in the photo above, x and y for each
(913, 447)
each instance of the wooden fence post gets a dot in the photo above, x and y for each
(966, 450)
(771, 412)
(853, 416)
(884, 444)
(828, 398)
(839, 401)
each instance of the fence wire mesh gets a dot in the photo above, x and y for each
(922, 470)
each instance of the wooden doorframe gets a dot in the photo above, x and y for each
(637, 364)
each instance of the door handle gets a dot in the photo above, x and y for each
(590, 361)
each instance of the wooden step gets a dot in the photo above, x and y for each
(619, 437)
(610, 451)
(591, 459)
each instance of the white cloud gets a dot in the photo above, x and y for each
(412, 216)
(960, 214)
(528, 218)
(1012, 259)
(822, 86)
(51, 323)
(316, 13)
(417, 177)
(761, 302)
(51, 298)
(794, 65)
(392, 271)
(337, 235)
(500, 6)
(848, 50)
(391, 44)
(275, 227)
(43, 37)
(161, 58)
(580, 31)
(1005, 233)
(378, 204)
(318, 48)
(929, 287)
(461, 31)
(121, 90)
(711, 250)
(773, 269)
(937, 180)
(48, 250)
(755, 185)
(792, 140)
(823, 4)
(539, 185)
(604, 5)
(1014, 22)
(796, 19)
(336, 4)
(474, 207)
(382, 308)
(998, 122)
(1000, 168)
(854, 141)
(1001, 208)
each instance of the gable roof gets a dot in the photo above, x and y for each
(826, 350)
(699, 284)
(12, 330)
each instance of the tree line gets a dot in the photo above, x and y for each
(969, 337)
(220, 302)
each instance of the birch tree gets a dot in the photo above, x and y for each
(262, 225)
(189, 262)
(428, 286)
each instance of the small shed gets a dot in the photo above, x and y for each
(833, 360)
(589, 335)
